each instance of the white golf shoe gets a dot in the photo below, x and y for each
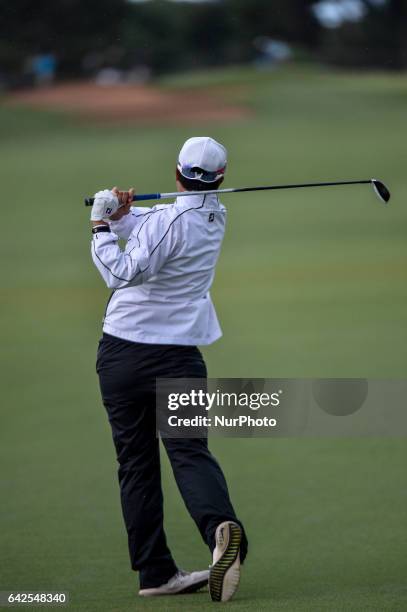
(181, 582)
(224, 573)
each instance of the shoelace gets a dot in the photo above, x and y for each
(180, 574)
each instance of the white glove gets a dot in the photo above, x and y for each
(106, 203)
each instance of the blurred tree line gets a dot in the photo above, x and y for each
(173, 36)
(378, 40)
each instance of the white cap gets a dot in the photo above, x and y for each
(202, 153)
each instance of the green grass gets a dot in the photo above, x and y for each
(310, 283)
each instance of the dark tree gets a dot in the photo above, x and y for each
(377, 40)
(69, 28)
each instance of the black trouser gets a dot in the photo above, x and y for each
(127, 373)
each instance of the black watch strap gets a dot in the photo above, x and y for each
(100, 228)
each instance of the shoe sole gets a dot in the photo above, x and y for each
(194, 587)
(190, 589)
(222, 573)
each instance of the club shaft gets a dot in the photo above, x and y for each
(176, 194)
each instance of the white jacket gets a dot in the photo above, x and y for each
(161, 280)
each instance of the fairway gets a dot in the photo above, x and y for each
(310, 283)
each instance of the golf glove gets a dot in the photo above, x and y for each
(105, 204)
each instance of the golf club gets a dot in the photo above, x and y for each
(380, 189)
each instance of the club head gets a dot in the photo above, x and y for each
(381, 191)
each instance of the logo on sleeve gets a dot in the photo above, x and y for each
(211, 217)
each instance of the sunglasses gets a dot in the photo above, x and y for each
(197, 174)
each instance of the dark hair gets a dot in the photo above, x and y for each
(195, 184)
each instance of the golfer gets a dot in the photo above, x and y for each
(159, 312)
